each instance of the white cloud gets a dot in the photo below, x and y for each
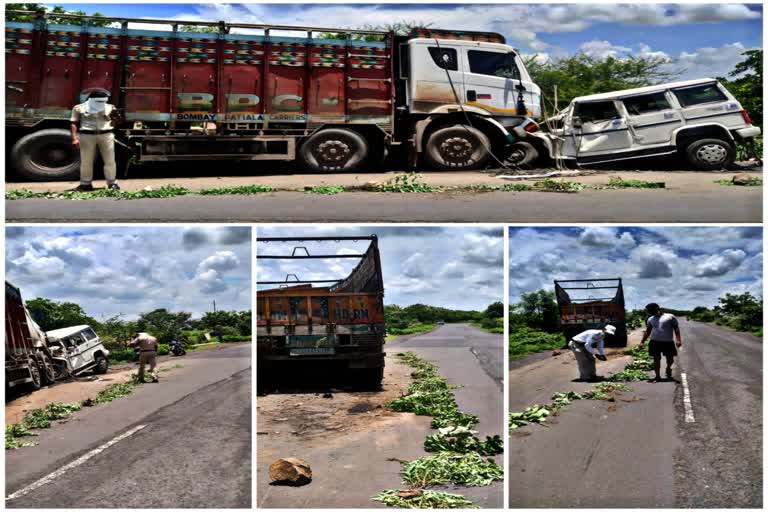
(606, 237)
(221, 261)
(603, 49)
(720, 264)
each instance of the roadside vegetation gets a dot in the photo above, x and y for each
(741, 312)
(459, 454)
(165, 325)
(534, 325)
(418, 318)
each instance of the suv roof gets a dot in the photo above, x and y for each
(643, 90)
(67, 331)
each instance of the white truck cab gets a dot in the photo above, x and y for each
(467, 93)
(699, 119)
(80, 348)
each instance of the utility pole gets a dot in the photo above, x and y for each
(214, 305)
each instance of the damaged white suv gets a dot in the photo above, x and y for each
(698, 119)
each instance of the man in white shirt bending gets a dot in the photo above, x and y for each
(583, 346)
(660, 327)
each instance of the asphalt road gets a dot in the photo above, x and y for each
(351, 466)
(193, 451)
(721, 205)
(639, 451)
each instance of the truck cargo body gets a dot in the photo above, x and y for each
(244, 93)
(27, 358)
(324, 330)
(591, 304)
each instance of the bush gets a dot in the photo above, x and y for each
(231, 338)
(524, 341)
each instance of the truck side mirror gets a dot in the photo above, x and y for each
(576, 122)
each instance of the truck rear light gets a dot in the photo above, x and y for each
(746, 117)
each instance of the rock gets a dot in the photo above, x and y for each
(556, 353)
(290, 471)
(327, 395)
(742, 179)
(409, 493)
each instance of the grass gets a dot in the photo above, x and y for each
(524, 340)
(451, 468)
(393, 332)
(326, 190)
(422, 499)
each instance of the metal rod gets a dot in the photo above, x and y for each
(299, 282)
(585, 280)
(589, 288)
(309, 257)
(314, 238)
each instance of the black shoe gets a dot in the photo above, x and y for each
(114, 186)
(83, 188)
(669, 373)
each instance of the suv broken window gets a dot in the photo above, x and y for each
(592, 111)
(700, 94)
(637, 105)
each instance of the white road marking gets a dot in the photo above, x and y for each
(687, 400)
(60, 472)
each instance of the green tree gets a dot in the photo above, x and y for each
(537, 310)
(205, 29)
(495, 310)
(51, 315)
(163, 324)
(746, 83)
(52, 18)
(582, 74)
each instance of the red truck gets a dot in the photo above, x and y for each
(332, 99)
(325, 327)
(591, 304)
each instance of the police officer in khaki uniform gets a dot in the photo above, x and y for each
(96, 127)
(147, 346)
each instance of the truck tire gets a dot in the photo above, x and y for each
(457, 148)
(369, 379)
(34, 372)
(521, 154)
(334, 150)
(47, 155)
(101, 365)
(47, 370)
(710, 154)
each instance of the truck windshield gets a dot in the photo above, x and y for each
(493, 64)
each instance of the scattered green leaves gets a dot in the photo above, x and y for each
(629, 375)
(162, 192)
(417, 498)
(605, 391)
(451, 468)
(462, 440)
(550, 185)
(15, 431)
(405, 183)
(42, 418)
(533, 414)
(562, 399)
(326, 190)
(619, 182)
(752, 182)
(243, 190)
(115, 391)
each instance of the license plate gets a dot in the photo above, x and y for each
(312, 351)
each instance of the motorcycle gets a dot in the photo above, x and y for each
(175, 348)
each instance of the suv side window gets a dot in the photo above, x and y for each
(699, 94)
(493, 64)
(596, 111)
(89, 335)
(654, 102)
(445, 58)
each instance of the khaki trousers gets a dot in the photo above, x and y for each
(144, 358)
(584, 359)
(105, 143)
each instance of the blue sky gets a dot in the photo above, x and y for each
(132, 270)
(697, 39)
(678, 267)
(453, 267)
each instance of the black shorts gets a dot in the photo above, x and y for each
(657, 348)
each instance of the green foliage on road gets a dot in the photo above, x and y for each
(462, 440)
(615, 182)
(326, 190)
(752, 182)
(550, 185)
(37, 419)
(422, 499)
(451, 468)
(405, 183)
(629, 375)
(13, 435)
(163, 192)
(115, 391)
(534, 414)
(742, 312)
(242, 190)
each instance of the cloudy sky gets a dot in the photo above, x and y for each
(453, 267)
(132, 270)
(698, 39)
(678, 267)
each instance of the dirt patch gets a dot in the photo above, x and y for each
(310, 416)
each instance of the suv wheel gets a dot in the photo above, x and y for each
(710, 154)
(101, 365)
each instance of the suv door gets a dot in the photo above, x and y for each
(89, 344)
(491, 79)
(599, 131)
(651, 118)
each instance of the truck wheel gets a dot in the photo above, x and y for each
(101, 365)
(369, 379)
(710, 154)
(34, 372)
(333, 150)
(521, 154)
(48, 372)
(47, 155)
(457, 148)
